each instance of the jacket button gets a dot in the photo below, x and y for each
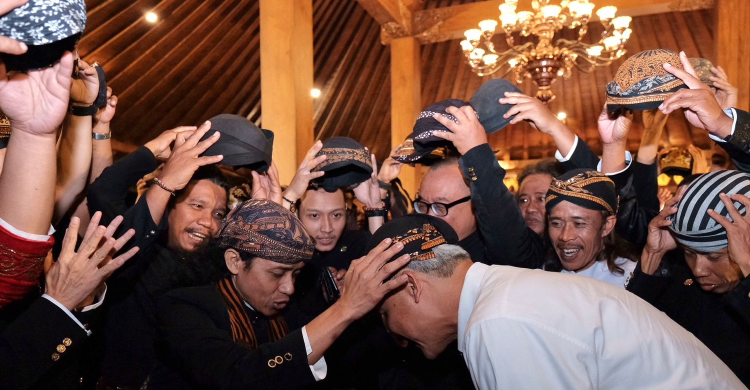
(60, 348)
(67, 342)
(55, 357)
(279, 360)
(688, 282)
(288, 356)
(271, 363)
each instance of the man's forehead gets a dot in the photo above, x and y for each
(270, 264)
(570, 210)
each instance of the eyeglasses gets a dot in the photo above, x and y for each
(439, 209)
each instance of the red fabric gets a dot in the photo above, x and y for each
(21, 265)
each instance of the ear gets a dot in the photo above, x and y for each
(413, 287)
(609, 225)
(233, 261)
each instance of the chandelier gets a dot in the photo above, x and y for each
(544, 61)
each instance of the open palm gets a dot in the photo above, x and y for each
(36, 102)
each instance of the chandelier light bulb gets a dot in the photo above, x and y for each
(512, 62)
(473, 34)
(611, 43)
(594, 51)
(477, 54)
(512, 2)
(626, 34)
(507, 8)
(466, 45)
(621, 22)
(524, 16)
(561, 116)
(151, 17)
(488, 25)
(585, 9)
(508, 20)
(490, 59)
(315, 93)
(606, 13)
(551, 11)
(574, 7)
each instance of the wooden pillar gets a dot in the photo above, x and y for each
(286, 78)
(732, 34)
(406, 98)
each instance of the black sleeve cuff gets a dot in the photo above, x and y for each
(739, 298)
(648, 287)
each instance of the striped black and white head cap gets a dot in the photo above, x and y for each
(692, 226)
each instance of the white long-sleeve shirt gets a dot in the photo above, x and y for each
(531, 329)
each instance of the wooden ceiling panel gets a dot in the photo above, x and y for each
(202, 58)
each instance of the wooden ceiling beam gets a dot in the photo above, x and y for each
(394, 16)
(448, 23)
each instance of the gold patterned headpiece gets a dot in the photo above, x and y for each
(642, 83)
(589, 189)
(4, 126)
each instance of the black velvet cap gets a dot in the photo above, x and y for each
(48, 27)
(486, 103)
(347, 164)
(242, 143)
(418, 232)
(589, 189)
(423, 135)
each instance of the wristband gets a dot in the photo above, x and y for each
(383, 185)
(164, 187)
(376, 213)
(101, 137)
(84, 111)
(292, 208)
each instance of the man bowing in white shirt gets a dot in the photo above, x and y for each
(531, 329)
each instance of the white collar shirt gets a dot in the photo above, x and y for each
(532, 329)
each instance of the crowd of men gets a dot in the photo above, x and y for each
(186, 265)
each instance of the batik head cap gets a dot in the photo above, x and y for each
(4, 131)
(49, 28)
(589, 189)
(242, 143)
(406, 154)
(676, 161)
(347, 164)
(262, 228)
(702, 68)
(692, 226)
(486, 102)
(426, 126)
(419, 233)
(642, 83)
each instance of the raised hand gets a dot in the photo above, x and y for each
(467, 133)
(105, 115)
(161, 146)
(702, 109)
(368, 192)
(613, 130)
(85, 85)
(738, 229)
(366, 282)
(660, 240)
(266, 186)
(726, 93)
(530, 109)
(185, 158)
(76, 275)
(36, 102)
(391, 168)
(304, 174)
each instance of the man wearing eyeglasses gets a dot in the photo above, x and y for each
(469, 194)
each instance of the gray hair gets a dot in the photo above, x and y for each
(448, 257)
